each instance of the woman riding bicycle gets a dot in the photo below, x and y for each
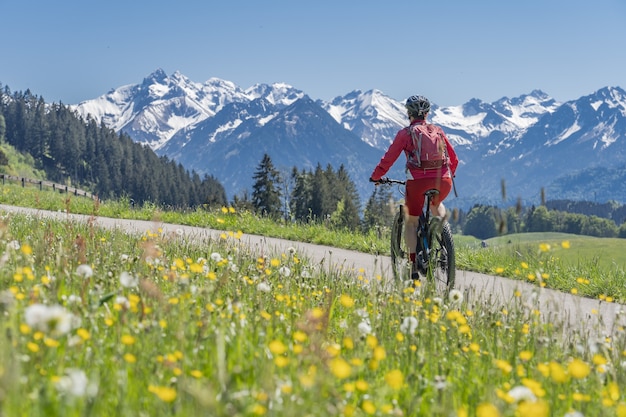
(422, 175)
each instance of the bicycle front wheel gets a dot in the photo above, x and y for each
(442, 261)
(399, 264)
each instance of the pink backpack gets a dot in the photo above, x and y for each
(429, 147)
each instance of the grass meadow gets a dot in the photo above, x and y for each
(98, 322)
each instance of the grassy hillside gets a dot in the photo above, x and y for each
(19, 164)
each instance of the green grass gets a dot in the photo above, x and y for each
(592, 267)
(151, 325)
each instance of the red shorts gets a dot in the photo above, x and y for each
(415, 189)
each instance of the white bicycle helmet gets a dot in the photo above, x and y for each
(417, 105)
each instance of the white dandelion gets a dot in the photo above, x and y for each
(284, 271)
(7, 300)
(522, 393)
(455, 297)
(216, 257)
(122, 301)
(74, 383)
(49, 319)
(263, 286)
(84, 271)
(409, 325)
(364, 327)
(128, 280)
(74, 299)
(440, 382)
(14, 244)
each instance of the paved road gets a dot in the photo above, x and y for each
(584, 315)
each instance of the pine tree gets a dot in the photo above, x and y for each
(377, 210)
(266, 195)
(349, 196)
(300, 203)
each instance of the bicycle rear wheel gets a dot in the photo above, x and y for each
(399, 263)
(442, 260)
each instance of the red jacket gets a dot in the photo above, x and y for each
(404, 142)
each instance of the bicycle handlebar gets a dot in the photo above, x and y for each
(388, 181)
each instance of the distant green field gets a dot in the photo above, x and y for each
(605, 252)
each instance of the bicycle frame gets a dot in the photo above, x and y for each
(437, 249)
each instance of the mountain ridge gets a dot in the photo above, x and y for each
(529, 141)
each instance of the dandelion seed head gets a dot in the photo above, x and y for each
(440, 382)
(84, 271)
(127, 280)
(122, 301)
(522, 393)
(284, 271)
(7, 300)
(49, 319)
(263, 286)
(364, 327)
(409, 325)
(455, 297)
(74, 383)
(216, 257)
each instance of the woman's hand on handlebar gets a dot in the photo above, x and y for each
(382, 180)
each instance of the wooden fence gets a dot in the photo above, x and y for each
(55, 187)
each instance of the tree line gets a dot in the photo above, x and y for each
(485, 222)
(325, 195)
(82, 153)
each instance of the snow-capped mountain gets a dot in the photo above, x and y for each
(217, 128)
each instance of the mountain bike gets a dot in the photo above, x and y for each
(435, 246)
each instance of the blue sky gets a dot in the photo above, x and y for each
(448, 50)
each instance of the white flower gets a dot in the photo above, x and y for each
(440, 382)
(522, 393)
(74, 299)
(14, 244)
(7, 300)
(124, 257)
(73, 383)
(284, 271)
(128, 280)
(291, 250)
(455, 297)
(361, 312)
(364, 327)
(305, 273)
(409, 325)
(122, 301)
(53, 319)
(263, 287)
(216, 257)
(84, 271)
(234, 268)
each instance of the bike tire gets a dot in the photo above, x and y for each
(399, 264)
(443, 259)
